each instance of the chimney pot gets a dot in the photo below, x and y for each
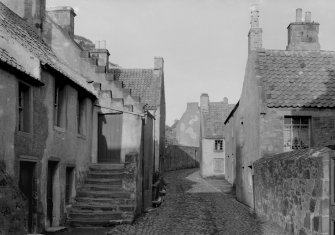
(308, 17)
(298, 15)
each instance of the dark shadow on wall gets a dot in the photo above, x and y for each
(180, 157)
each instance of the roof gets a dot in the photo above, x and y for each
(14, 29)
(214, 119)
(142, 83)
(297, 78)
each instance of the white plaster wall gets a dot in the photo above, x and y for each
(208, 156)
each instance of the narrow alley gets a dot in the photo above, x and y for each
(194, 206)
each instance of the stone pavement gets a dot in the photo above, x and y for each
(197, 206)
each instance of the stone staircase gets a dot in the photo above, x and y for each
(102, 201)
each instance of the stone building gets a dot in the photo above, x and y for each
(286, 102)
(188, 127)
(70, 132)
(148, 85)
(212, 143)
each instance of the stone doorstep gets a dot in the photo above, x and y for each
(55, 229)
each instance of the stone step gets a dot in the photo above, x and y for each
(104, 175)
(80, 201)
(102, 208)
(103, 181)
(97, 187)
(107, 166)
(103, 215)
(106, 170)
(104, 194)
(98, 222)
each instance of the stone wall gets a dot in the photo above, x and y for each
(292, 190)
(13, 206)
(180, 157)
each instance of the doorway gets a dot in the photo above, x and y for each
(27, 184)
(53, 197)
(109, 138)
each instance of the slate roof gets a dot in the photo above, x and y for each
(10, 60)
(15, 28)
(214, 119)
(142, 83)
(297, 78)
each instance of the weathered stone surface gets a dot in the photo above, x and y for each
(13, 206)
(292, 190)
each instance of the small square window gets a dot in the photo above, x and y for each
(24, 109)
(296, 133)
(218, 145)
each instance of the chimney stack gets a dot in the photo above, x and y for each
(33, 11)
(204, 102)
(158, 63)
(64, 17)
(298, 15)
(303, 35)
(255, 32)
(308, 17)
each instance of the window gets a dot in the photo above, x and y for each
(218, 145)
(296, 133)
(24, 111)
(81, 115)
(69, 184)
(59, 105)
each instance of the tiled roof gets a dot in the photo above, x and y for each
(214, 119)
(297, 78)
(17, 29)
(142, 83)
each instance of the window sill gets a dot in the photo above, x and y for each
(59, 129)
(81, 136)
(218, 151)
(24, 134)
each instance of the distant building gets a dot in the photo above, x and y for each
(212, 143)
(188, 127)
(287, 101)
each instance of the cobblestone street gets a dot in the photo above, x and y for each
(197, 206)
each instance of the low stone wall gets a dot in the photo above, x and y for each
(180, 157)
(292, 190)
(13, 206)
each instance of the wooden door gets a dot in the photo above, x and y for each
(332, 196)
(27, 184)
(148, 162)
(109, 138)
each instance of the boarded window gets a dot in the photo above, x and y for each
(81, 115)
(59, 105)
(218, 145)
(218, 165)
(296, 133)
(24, 109)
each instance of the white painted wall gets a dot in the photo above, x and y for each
(209, 157)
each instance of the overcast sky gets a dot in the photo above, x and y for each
(203, 42)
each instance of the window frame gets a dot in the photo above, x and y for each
(81, 115)
(291, 128)
(220, 148)
(25, 110)
(60, 105)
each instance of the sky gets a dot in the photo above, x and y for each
(203, 42)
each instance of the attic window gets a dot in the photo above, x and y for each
(218, 145)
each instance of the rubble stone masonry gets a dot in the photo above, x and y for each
(292, 190)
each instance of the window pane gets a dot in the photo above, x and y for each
(304, 120)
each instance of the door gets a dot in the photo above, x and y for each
(52, 168)
(332, 196)
(148, 162)
(109, 138)
(27, 184)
